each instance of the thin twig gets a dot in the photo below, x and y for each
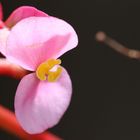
(131, 53)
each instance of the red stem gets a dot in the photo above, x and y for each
(9, 123)
(8, 120)
(10, 69)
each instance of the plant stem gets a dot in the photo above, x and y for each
(102, 37)
(8, 122)
(10, 69)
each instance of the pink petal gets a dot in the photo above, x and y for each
(3, 38)
(36, 39)
(21, 13)
(40, 105)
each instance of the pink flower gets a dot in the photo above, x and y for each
(16, 16)
(34, 42)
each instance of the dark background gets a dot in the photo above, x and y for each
(106, 85)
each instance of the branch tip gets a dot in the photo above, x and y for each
(100, 36)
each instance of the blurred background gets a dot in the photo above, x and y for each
(106, 85)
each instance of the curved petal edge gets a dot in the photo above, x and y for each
(36, 39)
(40, 105)
(21, 13)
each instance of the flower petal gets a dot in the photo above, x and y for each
(40, 105)
(21, 13)
(36, 39)
(3, 38)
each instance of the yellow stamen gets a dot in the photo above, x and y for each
(45, 67)
(53, 76)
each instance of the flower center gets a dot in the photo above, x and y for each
(45, 69)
